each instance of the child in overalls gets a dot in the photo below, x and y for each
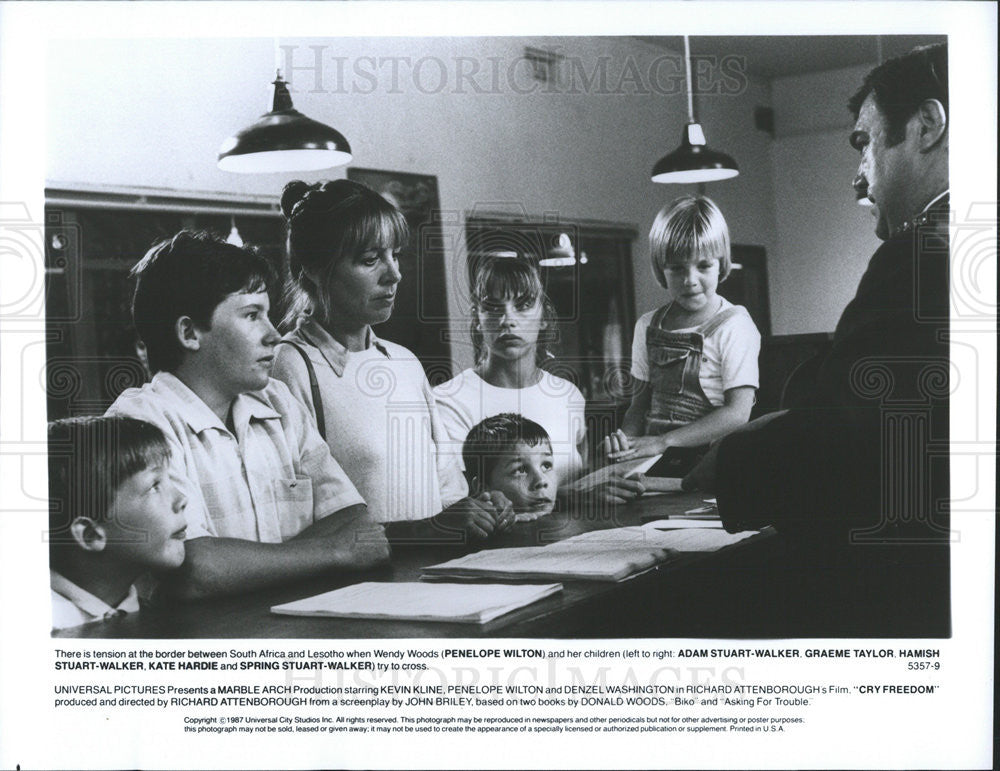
(694, 360)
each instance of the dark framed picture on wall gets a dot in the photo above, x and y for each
(420, 318)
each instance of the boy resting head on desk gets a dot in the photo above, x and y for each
(512, 454)
(115, 513)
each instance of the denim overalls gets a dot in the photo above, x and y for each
(674, 363)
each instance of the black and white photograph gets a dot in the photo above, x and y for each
(409, 329)
(464, 346)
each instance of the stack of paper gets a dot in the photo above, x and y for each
(675, 523)
(600, 555)
(466, 603)
(694, 535)
(540, 563)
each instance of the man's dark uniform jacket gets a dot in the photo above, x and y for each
(855, 478)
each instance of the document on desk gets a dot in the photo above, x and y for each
(696, 535)
(684, 524)
(600, 555)
(463, 603)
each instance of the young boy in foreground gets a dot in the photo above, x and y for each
(512, 454)
(114, 515)
(268, 502)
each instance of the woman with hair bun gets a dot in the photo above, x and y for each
(370, 397)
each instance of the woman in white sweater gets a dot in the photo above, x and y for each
(370, 397)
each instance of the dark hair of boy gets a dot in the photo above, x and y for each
(491, 439)
(900, 85)
(189, 275)
(89, 459)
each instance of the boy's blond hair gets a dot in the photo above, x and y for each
(689, 228)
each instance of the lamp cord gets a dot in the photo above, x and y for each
(690, 90)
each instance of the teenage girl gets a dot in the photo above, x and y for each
(512, 323)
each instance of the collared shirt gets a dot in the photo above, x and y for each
(333, 352)
(266, 482)
(381, 422)
(934, 200)
(922, 217)
(73, 606)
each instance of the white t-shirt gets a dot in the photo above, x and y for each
(554, 403)
(728, 359)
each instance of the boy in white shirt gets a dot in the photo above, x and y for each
(268, 503)
(114, 514)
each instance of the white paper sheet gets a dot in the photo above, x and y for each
(684, 524)
(472, 603)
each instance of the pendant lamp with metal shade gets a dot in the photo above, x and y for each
(284, 140)
(693, 161)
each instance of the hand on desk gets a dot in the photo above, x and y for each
(479, 517)
(619, 446)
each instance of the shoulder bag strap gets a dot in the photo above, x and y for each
(313, 386)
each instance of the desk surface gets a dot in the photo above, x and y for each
(631, 608)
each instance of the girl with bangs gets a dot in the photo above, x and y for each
(370, 397)
(694, 359)
(512, 324)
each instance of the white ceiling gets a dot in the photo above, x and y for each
(771, 56)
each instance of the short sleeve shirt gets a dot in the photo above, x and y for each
(266, 482)
(729, 356)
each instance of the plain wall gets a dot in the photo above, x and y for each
(154, 112)
(825, 238)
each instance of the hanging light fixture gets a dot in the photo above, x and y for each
(234, 235)
(561, 254)
(284, 140)
(693, 161)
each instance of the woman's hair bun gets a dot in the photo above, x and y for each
(293, 192)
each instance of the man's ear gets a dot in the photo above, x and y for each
(933, 124)
(187, 334)
(474, 487)
(89, 535)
